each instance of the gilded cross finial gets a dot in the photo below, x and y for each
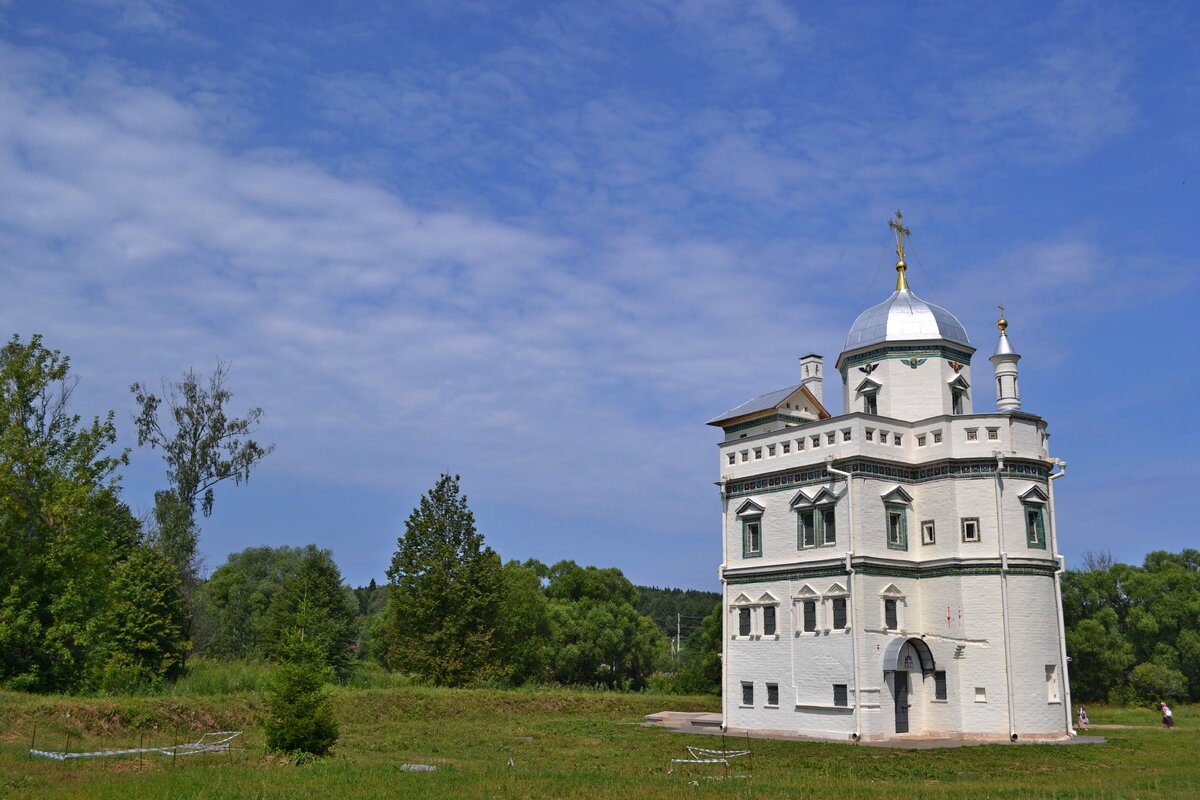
(1002, 323)
(897, 225)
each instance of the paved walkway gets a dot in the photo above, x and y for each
(706, 724)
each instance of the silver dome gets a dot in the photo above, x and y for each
(905, 317)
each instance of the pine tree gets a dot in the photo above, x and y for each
(445, 595)
(299, 709)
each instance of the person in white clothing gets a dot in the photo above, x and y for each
(1168, 717)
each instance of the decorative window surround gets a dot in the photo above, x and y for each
(1033, 501)
(928, 532)
(970, 529)
(972, 434)
(993, 434)
(756, 619)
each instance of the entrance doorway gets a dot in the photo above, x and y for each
(900, 684)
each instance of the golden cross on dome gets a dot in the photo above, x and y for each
(898, 226)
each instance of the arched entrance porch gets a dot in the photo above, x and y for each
(902, 656)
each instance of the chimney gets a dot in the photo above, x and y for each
(810, 374)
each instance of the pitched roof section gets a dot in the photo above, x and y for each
(771, 401)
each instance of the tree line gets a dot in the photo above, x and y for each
(92, 598)
(1133, 633)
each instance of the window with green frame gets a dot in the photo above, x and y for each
(806, 528)
(752, 537)
(897, 527)
(828, 534)
(1035, 526)
(870, 403)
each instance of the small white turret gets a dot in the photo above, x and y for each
(1008, 392)
(810, 374)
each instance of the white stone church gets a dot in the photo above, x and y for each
(894, 570)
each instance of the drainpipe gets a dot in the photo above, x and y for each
(1003, 549)
(1062, 639)
(724, 606)
(857, 735)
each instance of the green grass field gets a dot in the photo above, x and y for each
(563, 744)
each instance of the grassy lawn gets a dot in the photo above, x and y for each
(563, 744)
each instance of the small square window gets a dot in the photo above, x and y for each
(972, 434)
(883, 437)
(816, 441)
(773, 694)
(831, 437)
(841, 696)
(770, 449)
(839, 613)
(896, 438)
(921, 440)
(745, 456)
(757, 453)
(799, 444)
(787, 447)
(732, 459)
(870, 434)
(970, 529)
(980, 694)
(993, 434)
(937, 437)
(845, 435)
(928, 534)
(939, 684)
(747, 693)
(768, 620)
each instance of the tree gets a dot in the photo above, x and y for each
(700, 670)
(299, 715)
(597, 635)
(63, 527)
(314, 599)
(144, 625)
(445, 594)
(523, 632)
(202, 447)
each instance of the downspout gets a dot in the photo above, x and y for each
(857, 735)
(1003, 549)
(724, 606)
(1062, 638)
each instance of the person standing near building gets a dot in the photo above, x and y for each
(1083, 719)
(1168, 717)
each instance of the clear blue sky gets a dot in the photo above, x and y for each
(539, 244)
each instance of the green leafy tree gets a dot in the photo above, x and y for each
(237, 597)
(700, 664)
(299, 709)
(144, 624)
(63, 527)
(445, 594)
(202, 446)
(313, 597)
(523, 633)
(598, 638)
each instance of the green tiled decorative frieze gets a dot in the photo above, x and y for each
(915, 572)
(867, 468)
(908, 351)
